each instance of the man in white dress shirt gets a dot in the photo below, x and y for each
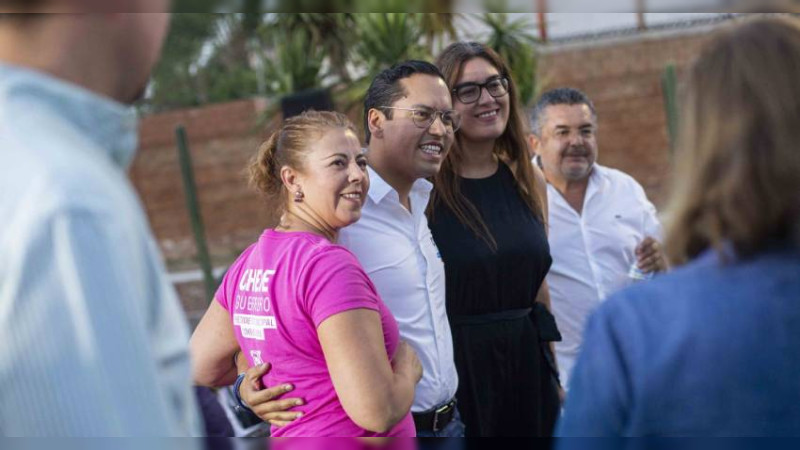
(603, 230)
(94, 341)
(407, 141)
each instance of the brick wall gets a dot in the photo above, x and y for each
(623, 79)
(222, 138)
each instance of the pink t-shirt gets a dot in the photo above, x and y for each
(278, 292)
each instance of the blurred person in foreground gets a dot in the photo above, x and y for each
(711, 348)
(94, 339)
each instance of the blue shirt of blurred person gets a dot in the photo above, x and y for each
(711, 349)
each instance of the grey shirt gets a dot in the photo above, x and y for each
(94, 342)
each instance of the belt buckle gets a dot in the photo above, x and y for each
(440, 410)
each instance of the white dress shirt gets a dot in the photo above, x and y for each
(593, 251)
(94, 341)
(397, 250)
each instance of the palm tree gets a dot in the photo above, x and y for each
(386, 38)
(381, 40)
(436, 27)
(333, 33)
(295, 67)
(218, 57)
(513, 40)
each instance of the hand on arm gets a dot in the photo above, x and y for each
(267, 403)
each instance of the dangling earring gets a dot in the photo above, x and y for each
(298, 196)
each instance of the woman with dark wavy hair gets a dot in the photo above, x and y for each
(487, 215)
(711, 348)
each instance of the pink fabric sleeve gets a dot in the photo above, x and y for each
(226, 288)
(222, 295)
(333, 282)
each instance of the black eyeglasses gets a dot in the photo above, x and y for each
(424, 117)
(471, 92)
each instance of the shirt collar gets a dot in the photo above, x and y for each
(379, 188)
(597, 181)
(109, 124)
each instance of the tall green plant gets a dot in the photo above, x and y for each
(348, 6)
(175, 79)
(435, 27)
(386, 38)
(514, 41)
(220, 57)
(332, 33)
(296, 65)
(382, 39)
(207, 58)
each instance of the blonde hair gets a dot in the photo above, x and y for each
(738, 178)
(288, 147)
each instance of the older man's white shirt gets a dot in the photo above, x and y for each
(593, 251)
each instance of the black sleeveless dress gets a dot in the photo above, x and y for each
(505, 383)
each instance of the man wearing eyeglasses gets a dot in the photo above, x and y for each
(410, 125)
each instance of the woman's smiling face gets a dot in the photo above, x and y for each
(487, 117)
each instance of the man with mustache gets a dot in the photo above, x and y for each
(94, 341)
(603, 230)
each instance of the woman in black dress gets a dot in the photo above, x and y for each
(487, 215)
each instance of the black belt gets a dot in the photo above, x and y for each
(435, 419)
(480, 319)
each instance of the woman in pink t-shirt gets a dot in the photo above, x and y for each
(298, 300)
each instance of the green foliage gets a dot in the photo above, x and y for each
(175, 79)
(295, 67)
(514, 41)
(386, 38)
(349, 6)
(381, 40)
(220, 57)
(434, 27)
(331, 34)
(222, 83)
